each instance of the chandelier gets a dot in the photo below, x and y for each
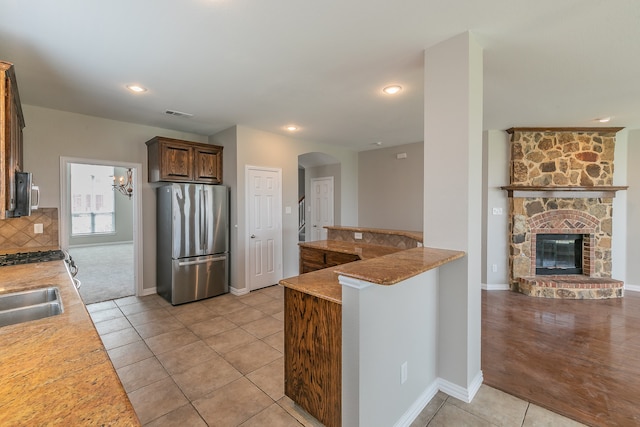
(124, 186)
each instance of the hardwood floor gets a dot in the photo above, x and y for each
(579, 358)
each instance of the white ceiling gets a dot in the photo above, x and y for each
(321, 64)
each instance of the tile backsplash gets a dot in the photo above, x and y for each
(18, 233)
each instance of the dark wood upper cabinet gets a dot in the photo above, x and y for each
(11, 125)
(175, 160)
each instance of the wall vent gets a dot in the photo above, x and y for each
(177, 113)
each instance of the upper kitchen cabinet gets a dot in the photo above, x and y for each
(174, 160)
(11, 125)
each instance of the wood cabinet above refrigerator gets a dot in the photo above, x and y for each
(11, 125)
(175, 160)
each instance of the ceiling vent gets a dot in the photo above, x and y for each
(177, 113)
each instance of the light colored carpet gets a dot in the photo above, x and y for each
(106, 272)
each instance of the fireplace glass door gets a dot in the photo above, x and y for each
(558, 254)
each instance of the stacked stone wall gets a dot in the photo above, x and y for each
(562, 158)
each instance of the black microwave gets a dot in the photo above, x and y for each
(25, 189)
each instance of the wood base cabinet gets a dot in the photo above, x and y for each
(317, 259)
(175, 160)
(313, 355)
(11, 125)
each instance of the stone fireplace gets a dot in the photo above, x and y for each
(561, 194)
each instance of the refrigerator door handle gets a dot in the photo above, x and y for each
(201, 261)
(205, 221)
(201, 220)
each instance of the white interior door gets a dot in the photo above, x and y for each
(321, 206)
(264, 200)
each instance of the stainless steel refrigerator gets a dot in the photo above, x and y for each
(192, 242)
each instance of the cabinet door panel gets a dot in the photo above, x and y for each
(176, 162)
(207, 165)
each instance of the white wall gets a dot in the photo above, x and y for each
(50, 134)
(390, 190)
(632, 230)
(382, 328)
(495, 228)
(619, 234)
(260, 148)
(453, 207)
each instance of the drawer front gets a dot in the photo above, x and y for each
(306, 267)
(312, 255)
(337, 258)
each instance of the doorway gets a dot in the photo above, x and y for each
(100, 227)
(321, 207)
(264, 219)
(319, 175)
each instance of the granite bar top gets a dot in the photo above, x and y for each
(416, 235)
(394, 268)
(320, 283)
(363, 250)
(55, 371)
(380, 265)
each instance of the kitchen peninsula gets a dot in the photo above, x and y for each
(316, 328)
(55, 371)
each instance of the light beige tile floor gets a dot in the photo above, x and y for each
(219, 362)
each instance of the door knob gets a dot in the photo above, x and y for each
(253, 236)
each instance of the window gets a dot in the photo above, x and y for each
(92, 200)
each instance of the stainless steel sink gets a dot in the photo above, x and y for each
(19, 307)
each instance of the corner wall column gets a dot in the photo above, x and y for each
(453, 204)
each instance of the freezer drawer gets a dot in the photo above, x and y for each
(198, 277)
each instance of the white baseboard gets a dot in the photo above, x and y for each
(634, 288)
(461, 393)
(495, 287)
(238, 292)
(148, 291)
(421, 402)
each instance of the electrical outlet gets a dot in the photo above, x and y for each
(38, 229)
(403, 373)
(497, 211)
(287, 209)
(494, 268)
(357, 236)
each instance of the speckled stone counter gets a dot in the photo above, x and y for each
(382, 265)
(363, 250)
(394, 268)
(55, 371)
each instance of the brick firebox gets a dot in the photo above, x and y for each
(562, 183)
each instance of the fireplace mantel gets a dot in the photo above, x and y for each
(570, 192)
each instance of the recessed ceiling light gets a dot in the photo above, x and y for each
(603, 119)
(392, 90)
(136, 88)
(292, 128)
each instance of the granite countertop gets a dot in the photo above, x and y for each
(363, 250)
(416, 235)
(379, 264)
(394, 268)
(55, 371)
